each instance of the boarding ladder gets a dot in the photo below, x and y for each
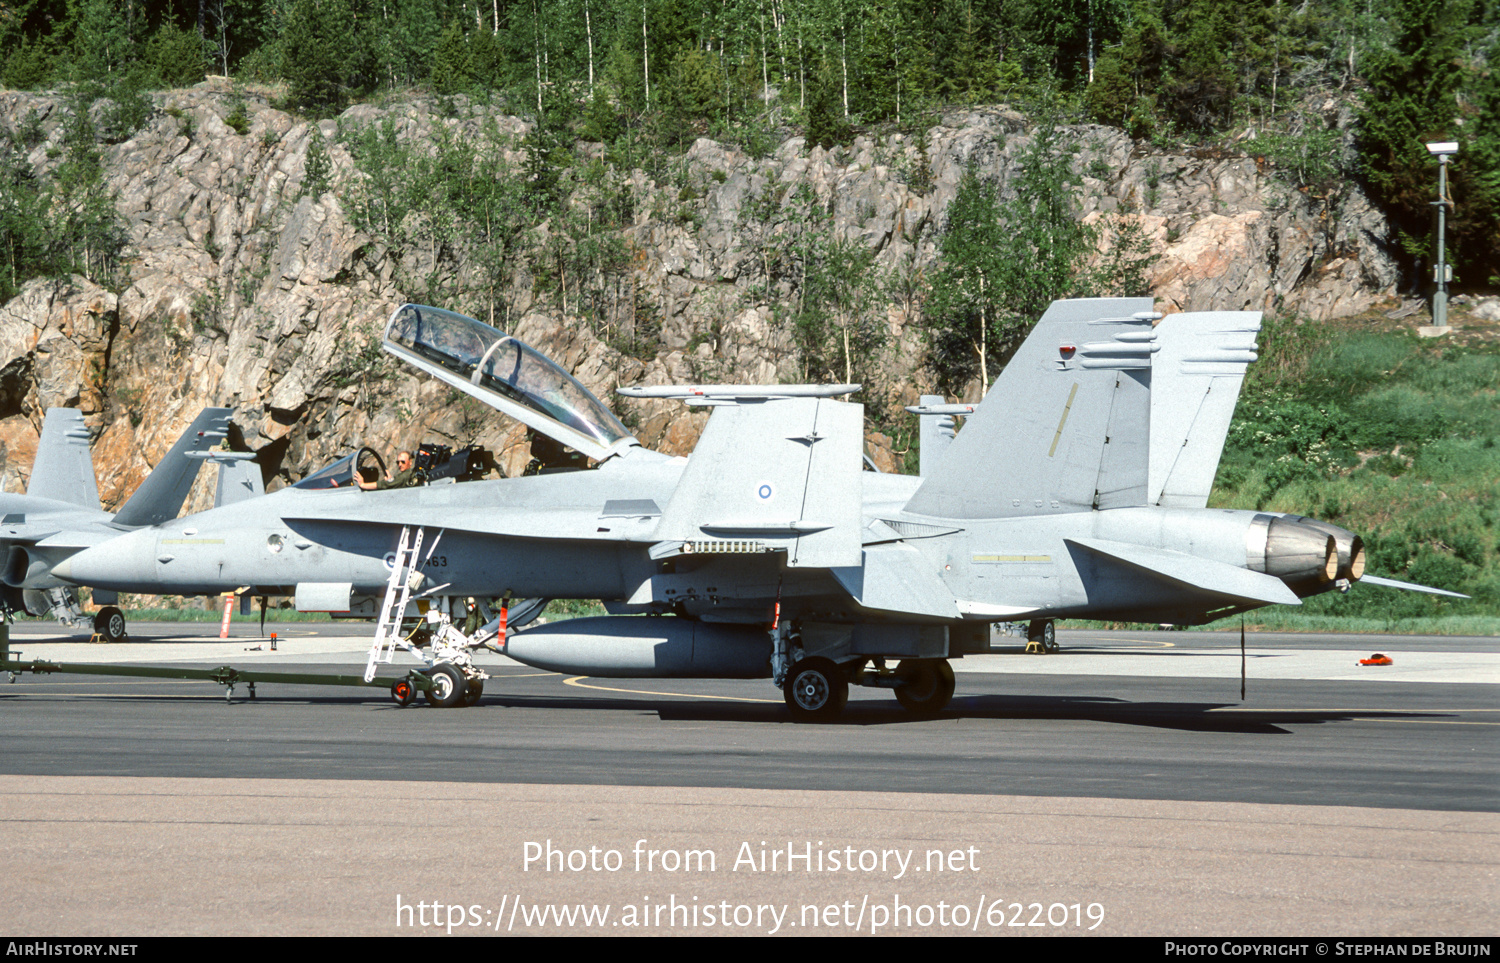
(397, 592)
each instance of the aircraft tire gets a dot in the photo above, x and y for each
(473, 689)
(109, 624)
(403, 692)
(816, 690)
(929, 685)
(448, 686)
(1045, 632)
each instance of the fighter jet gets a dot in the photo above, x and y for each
(770, 553)
(60, 515)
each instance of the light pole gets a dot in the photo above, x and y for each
(1441, 273)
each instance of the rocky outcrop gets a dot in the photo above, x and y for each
(248, 287)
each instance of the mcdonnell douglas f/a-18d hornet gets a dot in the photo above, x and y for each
(1076, 489)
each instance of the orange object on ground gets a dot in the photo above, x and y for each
(1377, 659)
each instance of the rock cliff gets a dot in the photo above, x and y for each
(251, 286)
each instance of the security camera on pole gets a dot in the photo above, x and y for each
(1441, 273)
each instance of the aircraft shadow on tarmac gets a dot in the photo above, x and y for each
(1186, 716)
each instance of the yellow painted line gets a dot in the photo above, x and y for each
(574, 681)
(1382, 710)
(1063, 420)
(1439, 722)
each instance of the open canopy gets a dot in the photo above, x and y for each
(505, 374)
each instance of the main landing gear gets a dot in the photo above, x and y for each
(816, 688)
(1041, 637)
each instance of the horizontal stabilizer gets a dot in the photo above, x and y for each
(1064, 428)
(1408, 586)
(1195, 574)
(897, 578)
(161, 495)
(63, 470)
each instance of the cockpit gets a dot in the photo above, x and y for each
(506, 374)
(340, 474)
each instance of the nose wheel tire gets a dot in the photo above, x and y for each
(928, 685)
(448, 686)
(109, 624)
(816, 690)
(472, 691)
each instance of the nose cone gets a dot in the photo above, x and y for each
(126, 564)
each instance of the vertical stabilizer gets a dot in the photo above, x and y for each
(783, 474)
(1195, 383)
(63, 470)
(936, 433)
(161, 495)
(239, 477)
(1064, 428)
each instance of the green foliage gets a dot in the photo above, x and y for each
(316, 54)
(175, 57)
(62, 224)
(1411, 100)
(1387, 436)
(457, 202)
(318, 167)
(30, 65)
(238, 118)
(1312, 157)
(1003, 263)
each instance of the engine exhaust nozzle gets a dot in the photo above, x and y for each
(1304, 556)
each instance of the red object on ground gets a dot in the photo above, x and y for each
(1377, 659)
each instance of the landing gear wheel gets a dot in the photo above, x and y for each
(448, 686)
(109, 624)
(404, 693)
(472, 691)
(816, 690)
(929, 685)
(1042, 633)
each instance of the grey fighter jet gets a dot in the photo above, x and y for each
(770, 553)
(60, 515)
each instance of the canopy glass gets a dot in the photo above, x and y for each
(493, 364)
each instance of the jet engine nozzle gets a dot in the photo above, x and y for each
(1304, 556)
(1351, 547)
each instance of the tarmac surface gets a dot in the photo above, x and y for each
(1122, 778)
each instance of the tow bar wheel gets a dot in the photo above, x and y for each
(448, 686)
(403, 692)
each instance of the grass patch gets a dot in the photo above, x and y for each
(1392, 437)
